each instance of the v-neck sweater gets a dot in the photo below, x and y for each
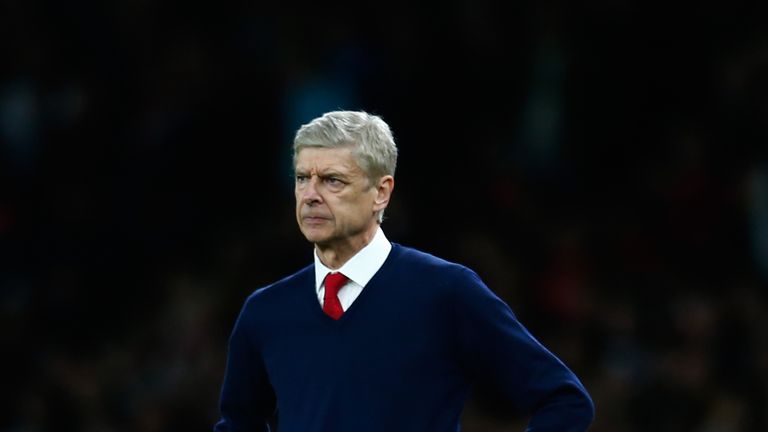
(403, 357)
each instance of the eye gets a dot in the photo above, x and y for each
(334, 183)
(301, 178)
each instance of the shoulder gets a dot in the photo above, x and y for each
(283, 290)
(408, 256)
(438, 270)
(454, 286)
(267, 304)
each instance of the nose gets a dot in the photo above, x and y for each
(309, 193)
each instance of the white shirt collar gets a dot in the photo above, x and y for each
(363, 265)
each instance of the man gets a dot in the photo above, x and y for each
(375, 336)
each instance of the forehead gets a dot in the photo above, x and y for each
(324, 159)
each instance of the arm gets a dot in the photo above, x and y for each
(247, 399)
(497, 349)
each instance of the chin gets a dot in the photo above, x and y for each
(315, 235)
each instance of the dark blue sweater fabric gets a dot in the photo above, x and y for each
(403, 357)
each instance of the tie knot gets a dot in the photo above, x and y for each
(334, 282)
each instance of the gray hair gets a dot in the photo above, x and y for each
(367, 135)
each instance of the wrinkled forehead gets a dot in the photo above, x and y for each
(322, 159)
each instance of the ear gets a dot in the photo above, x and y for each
(384, 189)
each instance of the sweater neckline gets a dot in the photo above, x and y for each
(369, 290)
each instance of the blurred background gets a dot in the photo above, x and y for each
(603, 167)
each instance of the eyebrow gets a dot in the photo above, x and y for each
(333, 173)
(324, 174)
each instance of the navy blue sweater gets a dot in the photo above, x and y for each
(402, 357)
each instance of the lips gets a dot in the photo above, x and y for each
(314, 219)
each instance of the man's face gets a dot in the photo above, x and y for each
(335, 202)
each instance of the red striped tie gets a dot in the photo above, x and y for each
(331, 304)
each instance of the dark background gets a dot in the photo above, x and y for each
(603, 167)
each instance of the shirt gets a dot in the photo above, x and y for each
(359, 269)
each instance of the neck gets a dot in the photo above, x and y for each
(335, 255)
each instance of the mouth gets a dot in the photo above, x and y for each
(312, 220)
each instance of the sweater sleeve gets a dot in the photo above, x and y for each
(499, 351)
(247, 399)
